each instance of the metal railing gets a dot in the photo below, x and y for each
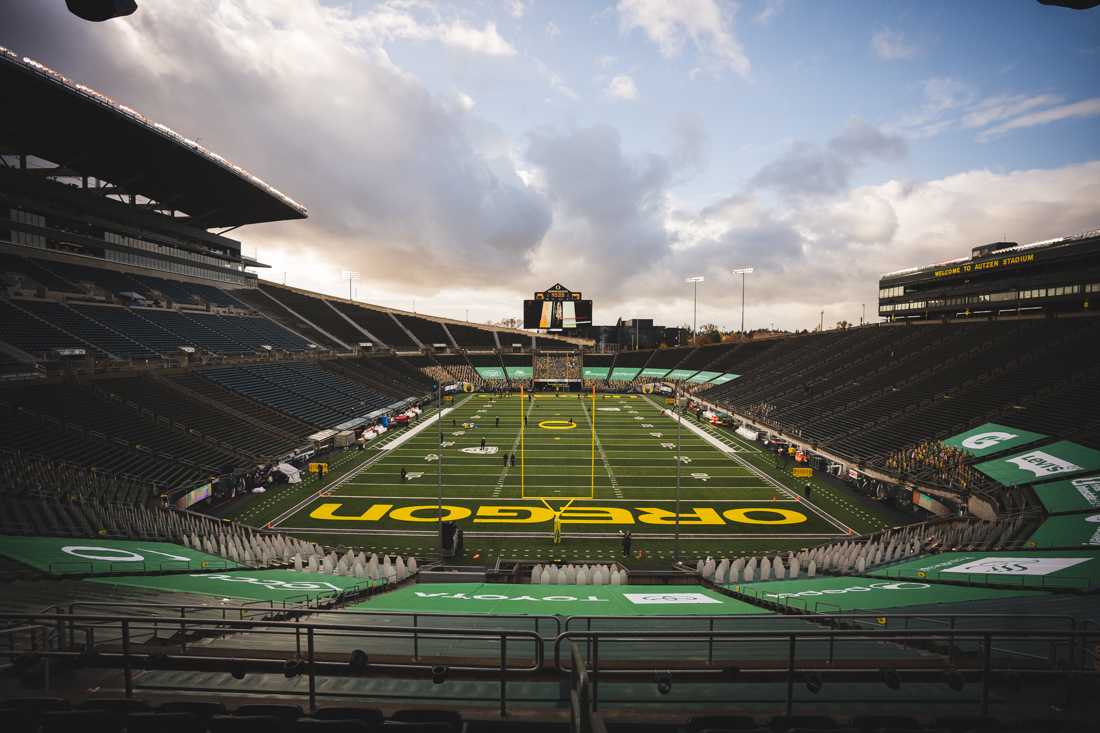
(856, 649)
(984, 640)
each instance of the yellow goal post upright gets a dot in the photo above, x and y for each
(592, 492)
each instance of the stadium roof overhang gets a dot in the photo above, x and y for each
(87, 134)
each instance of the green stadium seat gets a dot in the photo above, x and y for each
(165, 723)
(791, 723)
(867, 723)
(450, 718)
(312, 725)
(723, 722)
(245, 724)
(966, 723)
(204, 709)
(82, 721)
(371, 716)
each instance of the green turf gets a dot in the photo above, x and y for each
(733, 500)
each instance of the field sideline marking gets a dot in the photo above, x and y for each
(732, 455)
(379, 455)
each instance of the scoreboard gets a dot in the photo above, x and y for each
(557, 309)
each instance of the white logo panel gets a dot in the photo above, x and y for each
(1017, 565)
(677, 599)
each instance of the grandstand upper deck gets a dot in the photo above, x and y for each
(1058, 275)
(63, 120)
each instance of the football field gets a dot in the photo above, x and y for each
(511, 469)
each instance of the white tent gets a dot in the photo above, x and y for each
(292, 474)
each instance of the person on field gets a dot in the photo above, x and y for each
(404, 475)
(627, 540)
(809, 489)
(483, 443)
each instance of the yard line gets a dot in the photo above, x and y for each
(504, 472)
(603, 456)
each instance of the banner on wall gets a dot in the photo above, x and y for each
(1056, 460)
(991, 438)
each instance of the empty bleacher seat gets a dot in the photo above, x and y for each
(371, 716)
(165, 723)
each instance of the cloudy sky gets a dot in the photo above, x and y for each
(460, 155)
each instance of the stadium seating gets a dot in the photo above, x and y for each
(474, 339)
(318, 312)
(133, 433)
(157, 397)
(98, 281)
(142, 330)
(196, 328)
(261, 303)
(199, 388)
(380, 324)
(852, 392)
(108, 340)
(395, 376)
(20, 328)
(27, 274)
(429, 333)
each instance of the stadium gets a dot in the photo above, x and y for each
(237, 505)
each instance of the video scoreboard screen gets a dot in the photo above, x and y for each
(557, 309)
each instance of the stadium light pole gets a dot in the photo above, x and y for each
(676, 532)
(439, 470)
(351, 277)
(695, 306)
(742, 271)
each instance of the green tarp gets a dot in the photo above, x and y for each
(490, 372)
(991, 438)
(701, 377)
(624, 374)
(595, 372)
(1068, 531)
(653, 372)
(252, 585)
(678, 374)
(836, 595)
(1071, 495)
(73, 556)
(519, 372)
(727, 377)
(1065, 569)
(1038, 464)
(557, 600)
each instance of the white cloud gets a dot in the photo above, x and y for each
(552, 29)
(1084, 108)
(556, 82)
(950, 103)
(518, 8)
(890, 45)
(394, 20)
(670, 24)
(465, 102)
(1003, 106)
(622, 87)
(770, 9)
